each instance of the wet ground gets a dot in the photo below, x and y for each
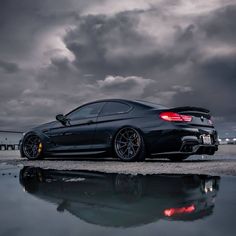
(91, 196)
(36, 201)
(222, 163)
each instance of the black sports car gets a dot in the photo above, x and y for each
(129, 129)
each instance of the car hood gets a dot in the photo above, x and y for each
(45, 126)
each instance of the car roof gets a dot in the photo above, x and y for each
(142, 103)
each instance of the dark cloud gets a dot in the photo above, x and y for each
(8, 67)
(56, 55)
(25, 26)
(220, 24)
(105, 45)
(213, 75)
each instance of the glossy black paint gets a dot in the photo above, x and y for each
(123, 200)
(95, 134)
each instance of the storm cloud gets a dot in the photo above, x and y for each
(55, 55)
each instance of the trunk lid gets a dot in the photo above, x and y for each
(200, 116)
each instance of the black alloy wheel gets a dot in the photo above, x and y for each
(129, 145)
(33, 147)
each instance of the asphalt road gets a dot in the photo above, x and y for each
(222, 163)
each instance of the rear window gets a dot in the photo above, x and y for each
(151, 104)
(111, 108)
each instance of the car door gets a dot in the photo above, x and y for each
(78, 134)
(113, 115)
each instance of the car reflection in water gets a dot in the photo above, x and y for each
(121, 200)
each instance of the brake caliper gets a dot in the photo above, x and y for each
(40, 147)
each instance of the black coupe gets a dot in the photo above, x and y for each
(128, 129)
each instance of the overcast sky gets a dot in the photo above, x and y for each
(56, 55)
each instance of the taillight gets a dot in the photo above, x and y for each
(174, 211)
(172, 116)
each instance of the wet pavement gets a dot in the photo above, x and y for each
(222, 163)
(37, 201)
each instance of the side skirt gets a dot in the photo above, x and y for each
(75, 153)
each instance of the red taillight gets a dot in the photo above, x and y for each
(186, 118)
(172, 116)
(173, 211)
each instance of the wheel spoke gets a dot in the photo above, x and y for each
(133, 149)
(123, 153)
(134, 139)
(120, 147)
(135, 145)
(28, 149)
(122, 142)
(124, 136)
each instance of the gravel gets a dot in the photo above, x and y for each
(222, 163)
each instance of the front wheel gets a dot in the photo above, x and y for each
(32, 147)
(129, 145)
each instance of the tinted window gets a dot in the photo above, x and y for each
(86, 111)
(151, 104)
(114, 108)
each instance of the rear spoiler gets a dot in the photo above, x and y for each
(188, 108)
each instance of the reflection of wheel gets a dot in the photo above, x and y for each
(129, 145)
(128, 187)
(30, 178)
(33, 147)
(177, 158)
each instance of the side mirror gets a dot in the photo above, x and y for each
(61, 118)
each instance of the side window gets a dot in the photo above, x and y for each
(111, 108)
(86, 111)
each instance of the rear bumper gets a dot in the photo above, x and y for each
(187, 141)
(194, 145)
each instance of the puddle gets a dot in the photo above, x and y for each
(37, 201)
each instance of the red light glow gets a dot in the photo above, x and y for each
(172, 116)
(174, 211)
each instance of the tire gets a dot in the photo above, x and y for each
(30, 178)
(129, 145)
(178, 158)
(129, 188)
(32, 147)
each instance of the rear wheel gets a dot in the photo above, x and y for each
(178, 158)
(129, 145)
(33, 147)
